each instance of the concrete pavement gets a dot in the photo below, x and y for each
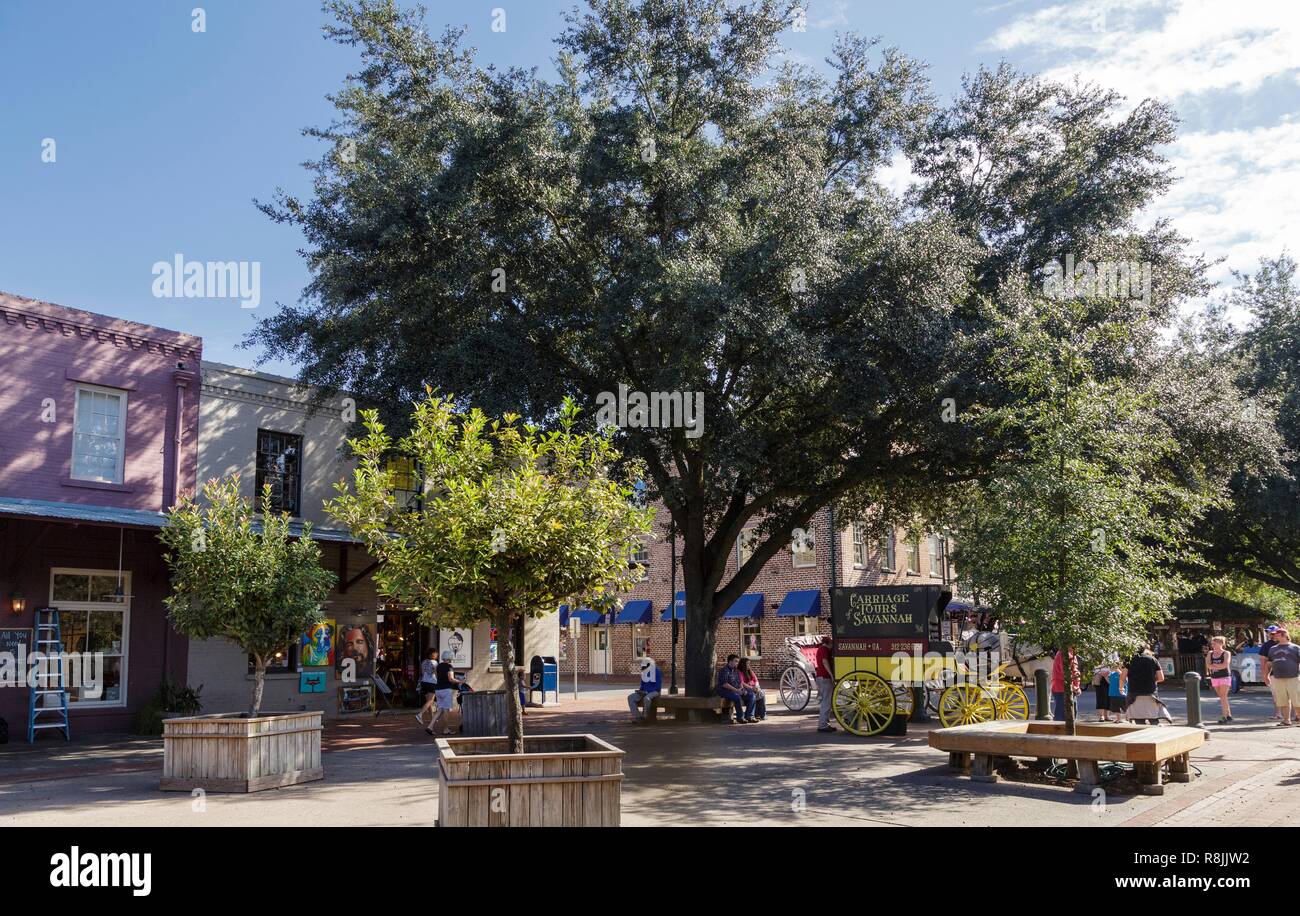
(780, 772)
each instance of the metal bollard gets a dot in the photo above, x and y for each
(1042, 694)
(1192, 684)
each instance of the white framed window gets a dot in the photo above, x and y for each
(805, 626)
(95, 619)
(887, 558)
(914, 554)
(640, 640)
(751, 639)
(859, 546)
(99, 434)
(745, 545)
(936, 556)
(641, 556)
(803, 548)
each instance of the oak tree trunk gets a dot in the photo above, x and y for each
(259, 681)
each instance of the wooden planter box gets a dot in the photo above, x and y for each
(558, 781)
(484, 713)
(226, 752)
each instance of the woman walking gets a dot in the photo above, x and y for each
(445, 685)
(1218, 664)
(428, 676)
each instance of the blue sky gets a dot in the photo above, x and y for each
(163, 136)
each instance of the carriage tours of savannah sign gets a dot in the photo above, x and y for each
(882, 619)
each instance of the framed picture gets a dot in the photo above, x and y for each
(317, 649)
(312, 681)
(460, 642)
(355, 656)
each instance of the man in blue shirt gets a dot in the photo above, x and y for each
(652, 684)
(730, 688)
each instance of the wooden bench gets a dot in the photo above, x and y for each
(686, 708)
(1152, 749)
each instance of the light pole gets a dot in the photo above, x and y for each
(672, 603)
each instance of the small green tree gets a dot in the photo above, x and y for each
(232, 577)
(514, 521)
(1077, 547)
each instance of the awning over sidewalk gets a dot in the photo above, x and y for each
(748, 607)
(679, 605)
(132, 518)
(585, 615)
(638, 611)
(804, 603)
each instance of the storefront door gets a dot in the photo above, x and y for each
(402, 642)
(599, 650)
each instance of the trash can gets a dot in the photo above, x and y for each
(544, 678)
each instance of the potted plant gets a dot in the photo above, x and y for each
(244, 578)
(515, 520)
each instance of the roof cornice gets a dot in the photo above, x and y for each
(85, 330)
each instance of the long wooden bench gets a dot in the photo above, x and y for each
(686, 708)
(1151, 749)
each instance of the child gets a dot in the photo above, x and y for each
(1117, 692)
(1101, 687)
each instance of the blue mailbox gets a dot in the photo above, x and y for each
(544, 678)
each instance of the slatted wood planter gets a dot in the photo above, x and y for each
(558, 781)
(226, 752)
(484, 713)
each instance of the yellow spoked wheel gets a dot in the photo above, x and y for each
(863, 703)
(1010, 702)
(964, 704)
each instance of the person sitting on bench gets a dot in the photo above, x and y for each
(749, 683)
(652, 684)
(732, 689)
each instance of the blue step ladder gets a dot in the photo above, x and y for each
(47, 704)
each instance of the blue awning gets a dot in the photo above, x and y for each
(749, 605)
(804, 603)
(588, 616)
(638, 611)
(564, 615)
(680, 604)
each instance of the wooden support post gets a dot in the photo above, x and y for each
(982, 769)
(1180, 768)
(1089, 777)
(1149, 778)
(959, 761)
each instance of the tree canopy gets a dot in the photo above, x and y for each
(683, 209)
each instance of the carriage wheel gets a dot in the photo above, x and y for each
(964, 704)
(863, 703)
(903, 698)
(1010, 702)
(796, 688)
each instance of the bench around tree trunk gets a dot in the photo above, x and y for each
(689, 709)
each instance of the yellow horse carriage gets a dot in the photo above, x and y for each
(885, 663)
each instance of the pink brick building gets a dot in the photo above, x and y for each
(98, 435)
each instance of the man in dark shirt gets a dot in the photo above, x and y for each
(1282, 674)
(730, 689)
(1141, 676)
(1270, 640)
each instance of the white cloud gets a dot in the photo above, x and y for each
(1238, 193)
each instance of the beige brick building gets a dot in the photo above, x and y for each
(611, 648)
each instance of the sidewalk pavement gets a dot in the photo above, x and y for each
(380, 771)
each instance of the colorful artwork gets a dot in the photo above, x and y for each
(355, 658)
(312, 681)
(318, 645)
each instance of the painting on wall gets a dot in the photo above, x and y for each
(312, 681)
(355, 657)
(318, 645)
(460, 642)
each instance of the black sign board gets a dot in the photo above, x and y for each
(882, 619)
(12, 638)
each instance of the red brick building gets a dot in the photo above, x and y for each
(612, 647)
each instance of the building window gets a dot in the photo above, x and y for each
(859, 545)
(99, 434)
(803, 549)
(94, 617)
(936, 556)
(284, 661)
(751, 639)
(279, 463)
(641, 555)
(640, 640)
(805, 626)
(407, 488)
(745, 545)
(914, 554)
(887, 558)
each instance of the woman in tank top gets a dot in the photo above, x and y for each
(1218, 665)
